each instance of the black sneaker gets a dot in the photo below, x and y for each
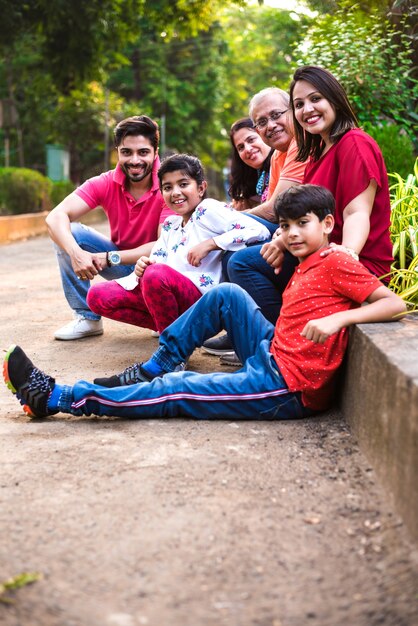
(31, 386)
(218, 345)
(130, 376)
(231, 359)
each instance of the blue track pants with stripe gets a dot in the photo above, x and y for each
(257, 391)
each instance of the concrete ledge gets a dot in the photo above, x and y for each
(380, 402)
(18, 227)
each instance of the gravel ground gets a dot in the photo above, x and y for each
(181, 522)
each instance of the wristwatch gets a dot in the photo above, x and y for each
(113, 258)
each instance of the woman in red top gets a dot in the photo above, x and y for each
(348, 162)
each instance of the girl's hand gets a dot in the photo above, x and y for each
(272, 253)
(334, 247)
(142, 264)
(199, 252)
(319, 330)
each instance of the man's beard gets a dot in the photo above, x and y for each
(136, 178)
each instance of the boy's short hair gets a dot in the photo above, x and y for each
(302, 199)
(137, 125)
(186, 163)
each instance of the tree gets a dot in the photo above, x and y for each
(79, 38)
(200, 85)
(373, 65)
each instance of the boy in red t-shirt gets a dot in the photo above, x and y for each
(289, 370)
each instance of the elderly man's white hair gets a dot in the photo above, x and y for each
(269, 91)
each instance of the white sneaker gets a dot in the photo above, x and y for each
(79, 328)
(155, 333)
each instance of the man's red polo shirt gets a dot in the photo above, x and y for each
(132, 222)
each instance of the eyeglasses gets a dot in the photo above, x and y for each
(274, 116)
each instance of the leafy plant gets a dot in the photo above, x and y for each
(60, 190)
(21, 580)
(396, 146)
(23, 191)
(404, 235)
(370, 58)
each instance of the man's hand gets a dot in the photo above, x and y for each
(319, 330)
(273, 253)
(199, 252)
(87, 265)
(142, 264)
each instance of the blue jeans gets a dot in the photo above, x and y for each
(271, 226)
(257, 391)
(248, 269)
(75, 290)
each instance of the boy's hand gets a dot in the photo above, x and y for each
(273, 253)
(319, 330)
(200, 251)
(142, 264)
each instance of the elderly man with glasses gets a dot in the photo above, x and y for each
(270, 111)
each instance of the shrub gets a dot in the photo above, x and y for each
(371, 59)
(404, 235)
(61, 190)
(23, 191)
(396, 146)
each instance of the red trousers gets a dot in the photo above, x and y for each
(161, 296)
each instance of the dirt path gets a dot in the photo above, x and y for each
(180, 522)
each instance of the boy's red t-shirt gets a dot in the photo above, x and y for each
(319, 287)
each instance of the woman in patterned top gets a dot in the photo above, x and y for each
(250, 165)
(185, 261)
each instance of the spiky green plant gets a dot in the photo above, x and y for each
(404, 235)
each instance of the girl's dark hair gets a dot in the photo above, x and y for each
(299, 200)
(190, 165)
(333, 91)
(243, 177)
(137, 125)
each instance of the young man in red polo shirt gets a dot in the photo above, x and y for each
(131, 199)
(289, 370)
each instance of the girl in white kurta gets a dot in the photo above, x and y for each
(185, 262)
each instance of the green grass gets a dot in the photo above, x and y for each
(404, 236)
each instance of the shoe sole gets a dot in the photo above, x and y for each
(8, 382)
(230, 363)
(93, 333)
(217, 352)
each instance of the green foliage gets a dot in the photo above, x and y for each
(258, 53)
(396, 146)
(200, 85)
(372, 61)
(79, 39)
(60, 190)
(21, 580)
(404, 235)
(78, 122)
(23, 191)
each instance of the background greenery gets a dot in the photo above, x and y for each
(71, 70)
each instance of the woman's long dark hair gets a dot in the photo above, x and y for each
(312, 145)
(243, 177)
